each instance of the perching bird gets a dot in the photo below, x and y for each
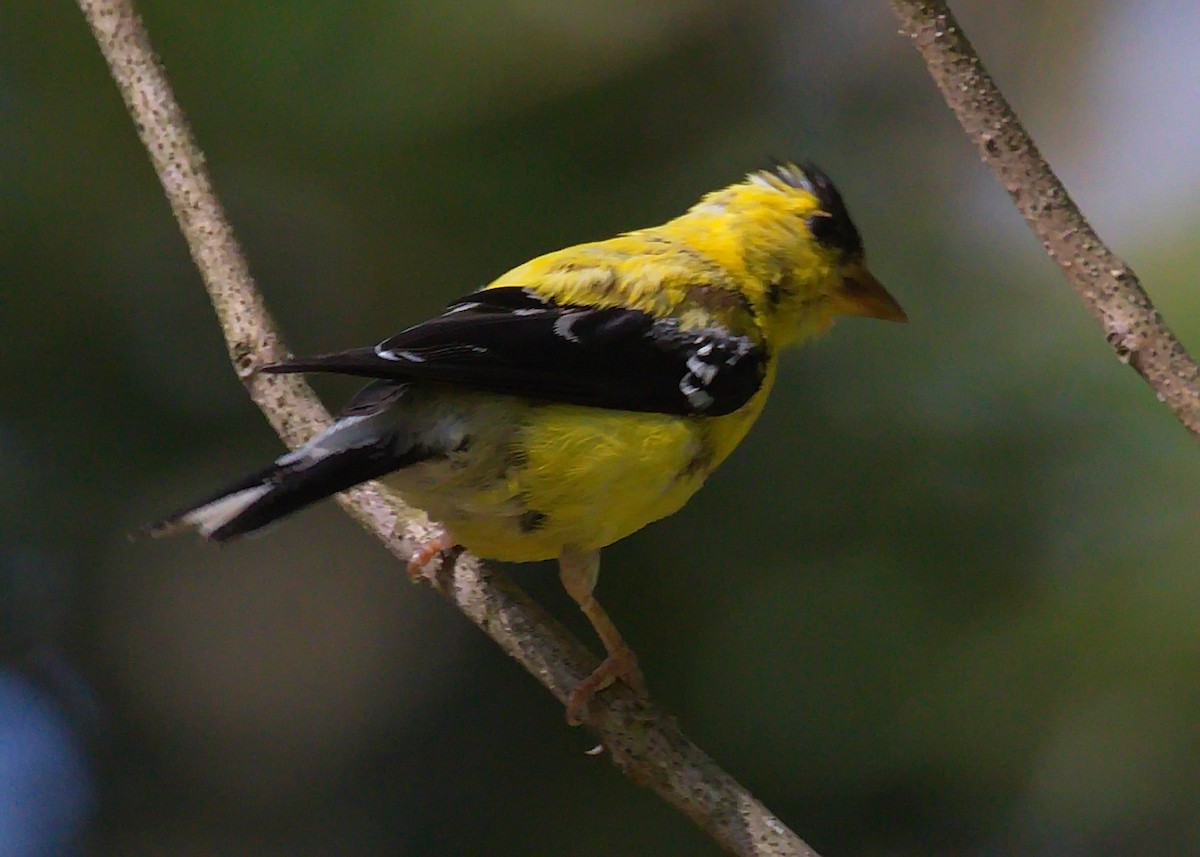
(585, 393)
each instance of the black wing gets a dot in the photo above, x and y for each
(511, 340)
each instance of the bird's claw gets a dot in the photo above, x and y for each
(422, 562)
(621, 664)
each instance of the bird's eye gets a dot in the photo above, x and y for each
(824, 228)
(831, 225)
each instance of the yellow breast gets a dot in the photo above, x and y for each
(563, 476)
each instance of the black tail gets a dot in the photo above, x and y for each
(281, 489)
(363, 444)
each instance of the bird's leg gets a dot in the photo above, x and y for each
(434, 546)
(578, 573)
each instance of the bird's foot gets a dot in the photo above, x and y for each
(620, 664)
(422, 563)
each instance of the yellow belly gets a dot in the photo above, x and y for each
(541, 478)
(590, 478)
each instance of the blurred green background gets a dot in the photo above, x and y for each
(943, 601)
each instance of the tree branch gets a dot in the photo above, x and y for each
(644, 743)
(1109, 288)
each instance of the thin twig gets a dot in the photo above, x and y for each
(1109, 288)
(644, 743)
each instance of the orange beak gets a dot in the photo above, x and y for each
(862, 294)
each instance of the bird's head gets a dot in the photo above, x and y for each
(787, 230)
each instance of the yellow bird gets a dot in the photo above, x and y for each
(583, 394)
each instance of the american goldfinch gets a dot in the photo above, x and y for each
(582, 394)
